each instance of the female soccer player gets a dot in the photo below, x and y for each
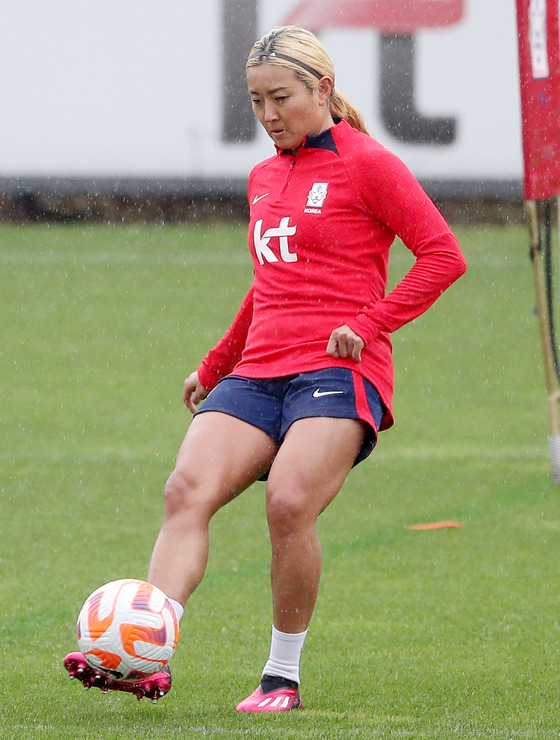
(302, 381)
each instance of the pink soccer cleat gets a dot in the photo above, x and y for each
(154, 687)
(280, 700)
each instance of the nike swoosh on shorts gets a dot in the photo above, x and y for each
(318, 393)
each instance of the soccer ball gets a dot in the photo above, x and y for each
(127, 630)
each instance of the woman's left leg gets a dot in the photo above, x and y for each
(307, 473)
(312, 464)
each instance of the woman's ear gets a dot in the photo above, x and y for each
(325, 89)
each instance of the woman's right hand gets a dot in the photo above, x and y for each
(193, 392)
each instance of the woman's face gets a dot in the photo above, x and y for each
(285, 107)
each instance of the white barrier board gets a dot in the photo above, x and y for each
(137, 88)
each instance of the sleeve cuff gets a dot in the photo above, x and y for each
(209, 378)
(365, 328)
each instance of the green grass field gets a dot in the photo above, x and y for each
(417, 634)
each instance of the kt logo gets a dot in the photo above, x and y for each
(397, 21)
(261, 241)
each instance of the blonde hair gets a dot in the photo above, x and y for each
(301, 51)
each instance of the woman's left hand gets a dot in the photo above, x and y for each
(345, 343)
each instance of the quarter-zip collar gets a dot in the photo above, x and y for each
(324, 140)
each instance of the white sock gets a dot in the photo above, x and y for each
(285, 652)
(179, 608)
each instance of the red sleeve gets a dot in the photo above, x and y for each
(221, 360)
(398, 200)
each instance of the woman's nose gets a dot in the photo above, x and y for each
(270, 112)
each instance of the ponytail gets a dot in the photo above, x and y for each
(341, 107)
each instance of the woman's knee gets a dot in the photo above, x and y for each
(194, 494)
(180, 493)
(288, 510)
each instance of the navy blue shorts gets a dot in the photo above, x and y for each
(274, 404)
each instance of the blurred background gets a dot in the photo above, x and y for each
(134, 109)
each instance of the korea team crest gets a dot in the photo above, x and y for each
(316, 198)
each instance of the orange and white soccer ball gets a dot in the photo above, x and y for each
(127, 629)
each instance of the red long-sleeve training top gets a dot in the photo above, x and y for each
(321, 227)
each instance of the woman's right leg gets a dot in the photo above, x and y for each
(220, 457)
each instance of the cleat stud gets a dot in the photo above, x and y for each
(87, 688)
(155, 700)
(71, 677)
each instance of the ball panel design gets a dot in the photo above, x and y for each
(127, 629)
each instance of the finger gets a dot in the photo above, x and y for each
(188, 391)
(357, 352)
(332, 347)
(189, 398)
(343, 349)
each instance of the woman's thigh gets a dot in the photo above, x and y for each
(221, 456)
(314, 460)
